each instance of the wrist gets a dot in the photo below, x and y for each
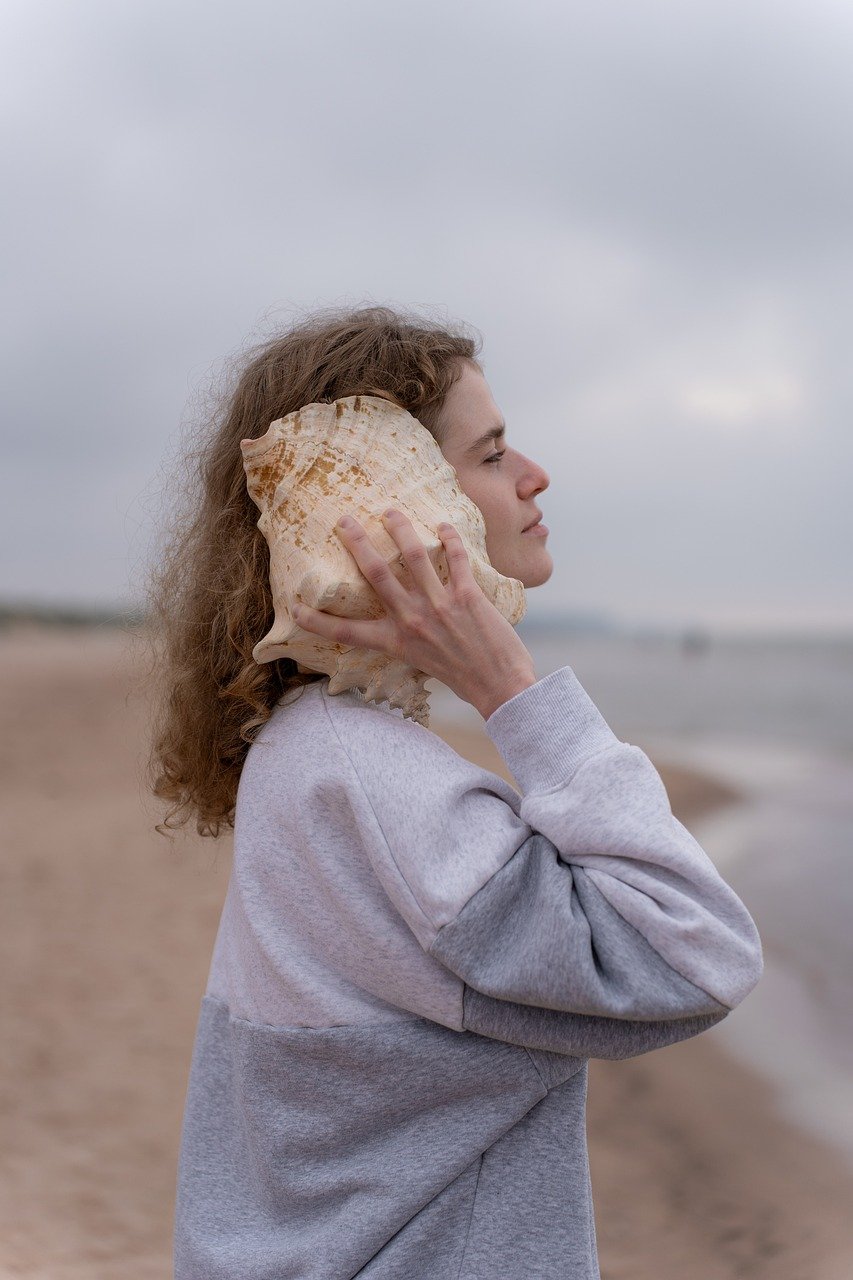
(500, 693)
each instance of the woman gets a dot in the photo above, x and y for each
(415, 961)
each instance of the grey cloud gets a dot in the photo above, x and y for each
(610, 193)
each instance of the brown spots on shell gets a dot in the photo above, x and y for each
(318, 473)
(265, 475)
(359, 473)
(263, 480)
(262, 483)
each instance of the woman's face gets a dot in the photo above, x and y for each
(503, 488)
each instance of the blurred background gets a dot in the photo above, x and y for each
(646, 210)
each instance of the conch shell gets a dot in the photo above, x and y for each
(357, 455)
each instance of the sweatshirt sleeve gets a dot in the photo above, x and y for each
(581, 915)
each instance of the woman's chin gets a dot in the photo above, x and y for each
(535, 574)
(530, 570)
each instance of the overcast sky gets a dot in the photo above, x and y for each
(645, 208)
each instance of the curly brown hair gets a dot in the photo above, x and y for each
(208, 587)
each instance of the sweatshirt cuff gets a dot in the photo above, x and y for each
(545, 732)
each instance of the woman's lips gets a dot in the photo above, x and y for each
(540, 529)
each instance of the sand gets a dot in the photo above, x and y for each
(106, 936)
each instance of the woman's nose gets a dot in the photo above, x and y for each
(538, 475)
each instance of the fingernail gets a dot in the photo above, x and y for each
(346, 522)
(295, 610)
(389, 512)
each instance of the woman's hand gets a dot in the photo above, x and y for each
(452, 632)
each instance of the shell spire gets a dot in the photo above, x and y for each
(357, 455)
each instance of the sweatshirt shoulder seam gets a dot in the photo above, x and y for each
(353, 767)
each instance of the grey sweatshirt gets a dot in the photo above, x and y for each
(414, 964)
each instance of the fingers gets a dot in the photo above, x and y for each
(415, 556)
(358, 633)
(458, 564)
(374, 566)
(419, 563)
(379, 635)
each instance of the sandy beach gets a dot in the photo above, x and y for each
(106, 939)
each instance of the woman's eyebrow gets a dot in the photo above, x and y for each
(492, 434)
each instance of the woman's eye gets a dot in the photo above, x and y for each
(496, 457)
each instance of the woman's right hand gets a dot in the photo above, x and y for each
(452, 632)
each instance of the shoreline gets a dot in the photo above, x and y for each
(106, 940)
